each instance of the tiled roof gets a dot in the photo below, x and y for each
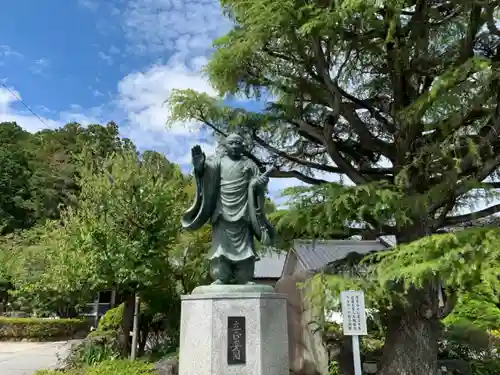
(314, 254)
(270, 265)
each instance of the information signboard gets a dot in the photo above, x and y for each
(353, 313)
(354, 322)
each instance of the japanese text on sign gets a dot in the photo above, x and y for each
(353, 313)
(236, 340)
(236, 347)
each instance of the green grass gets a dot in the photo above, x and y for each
(112, 367)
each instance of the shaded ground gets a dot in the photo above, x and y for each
(24, 358)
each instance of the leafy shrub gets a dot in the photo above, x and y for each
(40, 329)
(464, 340)
(112, 367)
(112, 319)
(491, 367)
(98, 346)
(333, 368)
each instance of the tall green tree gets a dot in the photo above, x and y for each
(58, 155)
(123, 233)
(398, 98)
(38, 172)
(15, 174)
(38, 178)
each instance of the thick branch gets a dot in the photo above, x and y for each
(309, 164)
(449, 305)
(490, 20)
(298, 175)
(490, 185)
(366, 104)
(276, 173)
(339, 160)
(365, 136)
(335, 97)
(467, 184)
(394, 62)
(454, 220)
(474, 24)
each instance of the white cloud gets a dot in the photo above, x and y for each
(107, 58)
(114, 50)
(180, 26)
(40, 65)
(142, 96)
(6, 51)
(182, 30)
(89, 4)
(13, 110)
(8, 113)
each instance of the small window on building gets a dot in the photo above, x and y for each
(105, 297)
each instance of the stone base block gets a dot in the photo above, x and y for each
(234, 331)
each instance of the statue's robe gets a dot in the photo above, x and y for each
(228, 198)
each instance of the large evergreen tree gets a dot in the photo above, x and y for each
(401, 98)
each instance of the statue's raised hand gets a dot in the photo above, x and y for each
(198, 158)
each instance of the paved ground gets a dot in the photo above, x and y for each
(24, 358)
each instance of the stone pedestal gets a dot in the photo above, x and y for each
(234, 330)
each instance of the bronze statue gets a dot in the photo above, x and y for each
(230, 195)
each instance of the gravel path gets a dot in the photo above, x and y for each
(24, 358)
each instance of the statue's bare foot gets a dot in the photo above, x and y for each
(250, 283)
(217, 282)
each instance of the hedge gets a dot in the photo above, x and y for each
(113, 367)
(38, 329)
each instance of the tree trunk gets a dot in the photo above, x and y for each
(67, 312)
(127, 323)
(344, 358)
(143, 340)
(411, 341)
(411, 345)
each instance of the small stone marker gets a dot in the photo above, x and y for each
(236, 340)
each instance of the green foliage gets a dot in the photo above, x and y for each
(461, 259)
(463, 340)
(121, 232)
(39, 171)
(112, 319)
(398, 97)
(26, 258)
(409, 137)
(331, 207)
(491, 367)
(122, 367)
(40, 329)
(111, 367)
(479, 307)
(192, 266)
(97, 347)
(333, 368)
(14, 178)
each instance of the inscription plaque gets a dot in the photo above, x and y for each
(236, 340)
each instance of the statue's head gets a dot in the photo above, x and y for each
(234, 145)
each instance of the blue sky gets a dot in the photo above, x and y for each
(95, 61)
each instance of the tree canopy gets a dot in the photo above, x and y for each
(39, 171)
(389, 114)
(84, 212)
(396, 93)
